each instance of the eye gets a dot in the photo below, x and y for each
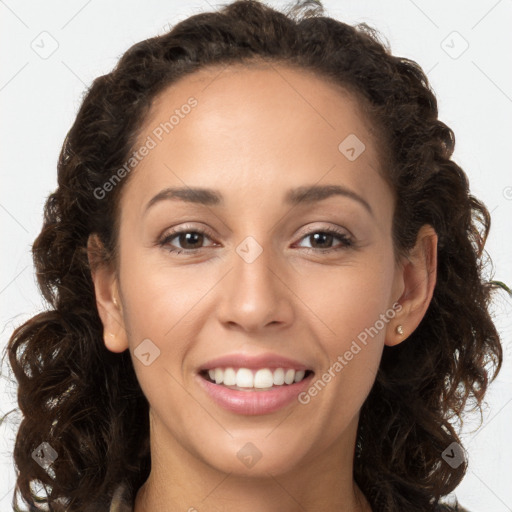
(192, 239)
(187, 237)
(326, 236)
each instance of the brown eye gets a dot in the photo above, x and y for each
(322, 240)
(190, 240)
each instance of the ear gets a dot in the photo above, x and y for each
(108, 300)
(417, 278)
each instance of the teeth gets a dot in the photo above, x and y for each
(244, 378)
(299, 375)
(260, 379)
(279, 377)
(289, 376)
(229, 377)
(263, 379)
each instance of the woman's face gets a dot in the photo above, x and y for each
(258, 274)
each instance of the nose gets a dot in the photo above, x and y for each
(255, 294)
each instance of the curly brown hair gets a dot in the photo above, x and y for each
(86, 402)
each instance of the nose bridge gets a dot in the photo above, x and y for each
(253, 262)
(254, 295)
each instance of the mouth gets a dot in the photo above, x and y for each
(254, 391)
(248, 379)
(254, 384)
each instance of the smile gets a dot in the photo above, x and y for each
(253, 400)
(262, 378)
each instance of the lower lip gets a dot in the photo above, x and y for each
(254, 402)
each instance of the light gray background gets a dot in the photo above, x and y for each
(39, 98)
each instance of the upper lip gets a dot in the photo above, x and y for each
(267, 360)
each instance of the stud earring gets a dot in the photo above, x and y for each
(400, 330)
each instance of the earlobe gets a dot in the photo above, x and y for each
(107, 296)
(418, 274)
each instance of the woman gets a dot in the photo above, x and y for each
(199, 356)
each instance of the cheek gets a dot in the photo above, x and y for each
(156, 302)
(158, 296)
(352, 314)
(159, 318)
(354, 317)
(349, 298)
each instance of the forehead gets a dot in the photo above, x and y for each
(260, 123)
(275, 94)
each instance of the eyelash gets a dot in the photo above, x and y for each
(346, 242)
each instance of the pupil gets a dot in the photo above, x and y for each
(187, 237)
(321, 235)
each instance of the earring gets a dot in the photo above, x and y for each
(114, 300)
(112, 334)
(400, 330)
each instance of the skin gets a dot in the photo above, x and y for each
(255, 133)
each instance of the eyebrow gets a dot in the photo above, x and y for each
(293, 197)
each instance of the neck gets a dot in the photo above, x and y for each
(270, 495)
(181, 481)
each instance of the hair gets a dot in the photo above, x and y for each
(86, 402)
